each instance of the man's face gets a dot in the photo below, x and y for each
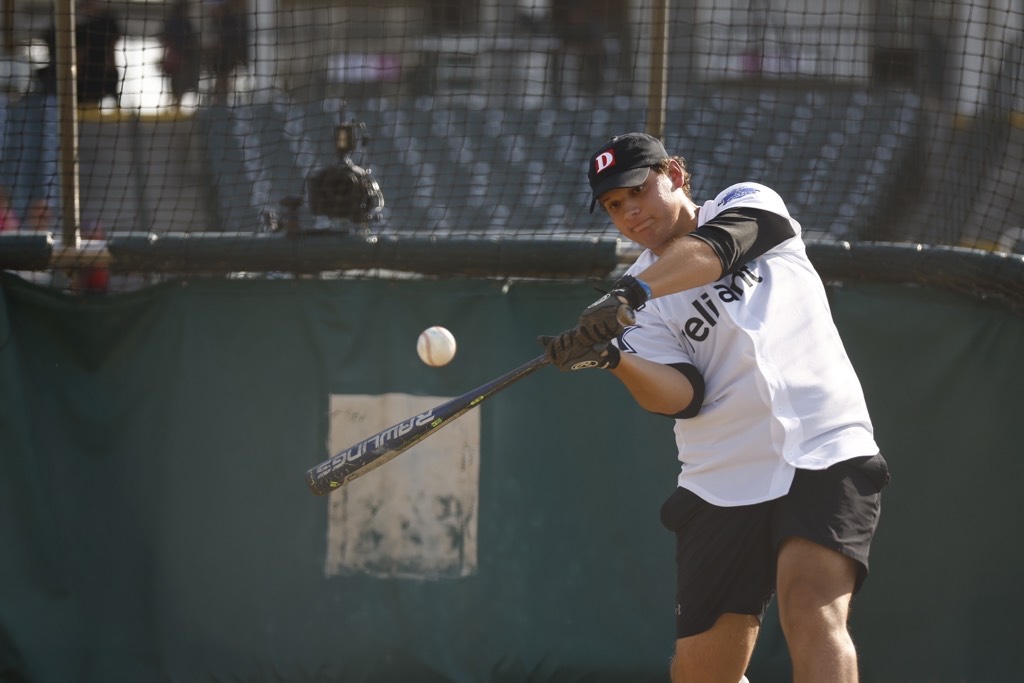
(649, 213)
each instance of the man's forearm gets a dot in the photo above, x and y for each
(688, 262)
(655, 387)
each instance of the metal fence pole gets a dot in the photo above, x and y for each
(658, 85)
(66, 67)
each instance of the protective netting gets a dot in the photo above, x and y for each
(206, 133)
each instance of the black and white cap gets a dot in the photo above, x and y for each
(623, 161)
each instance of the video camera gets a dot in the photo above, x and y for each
(346, 190)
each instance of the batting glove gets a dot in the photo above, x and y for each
(607, 318)
(571, 350)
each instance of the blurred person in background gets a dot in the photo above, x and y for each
(92, 279)
(8, 218)
(232, 49)
(581, 31)
(181, 62)
(39, 216)
(97, 32)
(39, 219)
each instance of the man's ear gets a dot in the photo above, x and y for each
(676, 174)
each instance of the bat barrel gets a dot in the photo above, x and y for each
(371, 453)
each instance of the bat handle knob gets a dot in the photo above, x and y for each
(626, 315)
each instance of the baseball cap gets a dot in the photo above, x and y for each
(623, 161)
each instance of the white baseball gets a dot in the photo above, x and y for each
(436, 346)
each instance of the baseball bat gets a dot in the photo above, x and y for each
(371, 453)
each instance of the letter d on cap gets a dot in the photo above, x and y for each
(603, 161)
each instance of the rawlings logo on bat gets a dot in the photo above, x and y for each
(374, 442)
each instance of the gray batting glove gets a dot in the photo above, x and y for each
(606, 318)
(571, 350)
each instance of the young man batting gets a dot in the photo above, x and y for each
(779, 487)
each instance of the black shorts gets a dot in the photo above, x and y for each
(726, 556)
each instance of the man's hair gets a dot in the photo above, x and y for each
(663, 169)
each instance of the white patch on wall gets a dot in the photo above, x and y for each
(415, 516)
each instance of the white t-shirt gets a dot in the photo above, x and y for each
(780, 391)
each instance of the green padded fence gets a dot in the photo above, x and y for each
(155, 525)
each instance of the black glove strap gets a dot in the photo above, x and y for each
(614, 356)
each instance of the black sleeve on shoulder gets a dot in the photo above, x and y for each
(742, 234)
(697, 381)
